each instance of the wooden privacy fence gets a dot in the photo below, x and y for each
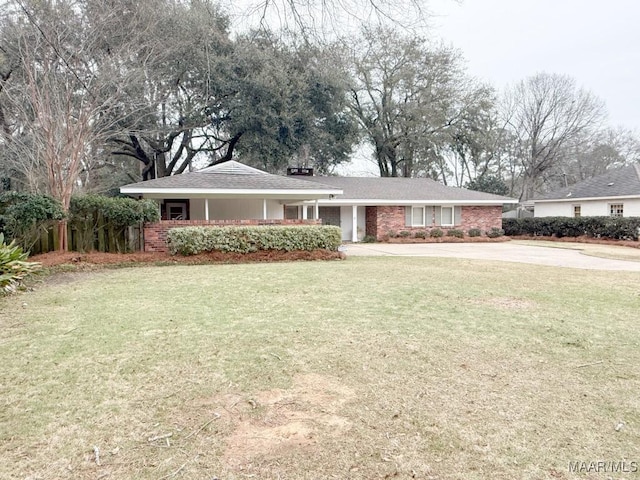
(89, 237)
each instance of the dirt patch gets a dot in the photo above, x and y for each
(277, 421)
(92, 259)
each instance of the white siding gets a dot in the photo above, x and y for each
(235, 209)
(346, 222)
(559, 209)
(590, 208)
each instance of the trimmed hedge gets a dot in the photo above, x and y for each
(617, 228)
(23, 216)
(195, 240)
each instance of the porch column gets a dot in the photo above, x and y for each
(354, 214)
(264, 208)
(316, 211)
(206, 209)
(304, 211)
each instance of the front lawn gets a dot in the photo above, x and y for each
(369, 368)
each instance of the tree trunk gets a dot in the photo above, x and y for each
(63, 244)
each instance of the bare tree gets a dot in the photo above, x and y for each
(549, 115)
(328, 18)
(410, 99)
(60, 106)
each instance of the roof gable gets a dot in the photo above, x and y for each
(232, 168)
(226, 176)
(619, 182)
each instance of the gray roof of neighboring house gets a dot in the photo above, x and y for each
(402, 189)
(619, 182)
(228, 176)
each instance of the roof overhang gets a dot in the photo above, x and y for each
(280, 194)
(586, 199)
(373, 202)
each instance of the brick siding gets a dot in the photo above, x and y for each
(484, 218)
(381, 220)
(155, 234)
(371, 221)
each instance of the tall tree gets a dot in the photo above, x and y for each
(549, 115)
(284, 103)
(410, 100)
(319, 20)
(58, 104)
(175, 98)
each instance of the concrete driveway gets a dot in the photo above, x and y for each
(506, 251)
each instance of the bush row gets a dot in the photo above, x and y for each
(194, 240)
(23, 216)
(115, 212)
(618, 228)
(438, 233)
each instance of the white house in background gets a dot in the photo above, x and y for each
(615, 193)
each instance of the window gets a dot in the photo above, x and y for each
(616, 210)
(446, 219)
(176, 210)
(417, 217)
(576, 211)
(421, 216)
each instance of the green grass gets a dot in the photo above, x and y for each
(366, 368)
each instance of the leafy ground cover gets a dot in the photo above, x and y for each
(366, 368)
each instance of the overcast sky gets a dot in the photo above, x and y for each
(595, 42)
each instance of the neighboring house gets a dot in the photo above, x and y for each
(231, 193)
(615, 193)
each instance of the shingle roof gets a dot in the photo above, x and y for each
(402, 189)
(236, 176)
(227, 176)
(619, 182)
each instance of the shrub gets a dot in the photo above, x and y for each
(369, 239)
(420, 234)
(24, 215)
(618, 228)
(195, 240)
(93, 215)
(404, 234)
(391, 234)
(455, 233)
(474, 232)
(436, 233)
(13, 266)
(495, 232)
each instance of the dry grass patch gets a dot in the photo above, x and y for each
(368, 368)
(626, 250)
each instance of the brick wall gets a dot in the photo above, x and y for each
(384, 219)
(155, 234)
(484, 218)
(390, 218)
(371, 221)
